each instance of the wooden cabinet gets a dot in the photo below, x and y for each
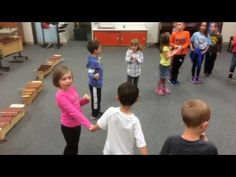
(120, 38)
(113, 38)
(100, 36)
(127, 36)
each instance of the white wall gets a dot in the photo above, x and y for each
(68, 34)
(28, 34)
(229, 29)
(153, 28)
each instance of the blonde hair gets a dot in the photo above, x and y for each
(195, 112)
(135, 42)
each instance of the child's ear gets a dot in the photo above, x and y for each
(117, 98)
(205, 125)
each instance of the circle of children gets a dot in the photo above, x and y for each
(123, 127)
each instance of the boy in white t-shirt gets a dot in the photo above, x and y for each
(123, 127)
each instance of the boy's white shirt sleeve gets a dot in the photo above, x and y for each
(128, 56)
(103, 121)
(138, 134)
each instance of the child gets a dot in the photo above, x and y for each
(134, 58)
(69, 102)
(213, 50)
(95, 77)
(200, 42)
(233, 62)
(196, 115)
(123, 127)
(164, 66)
(179, 39)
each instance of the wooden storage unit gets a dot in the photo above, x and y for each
(11, 45)
(120, 38)
(9, 117)
(127, 36)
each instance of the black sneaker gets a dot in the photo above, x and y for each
(97, 116)
(100, 113)
(230, 76)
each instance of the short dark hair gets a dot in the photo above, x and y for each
(127, 94)
(93, 45)
(194, 112)
(58, 73)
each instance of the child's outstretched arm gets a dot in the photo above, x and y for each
(143, 150)
(94, 128)
(72, 111)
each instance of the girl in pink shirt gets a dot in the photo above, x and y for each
(69, 102)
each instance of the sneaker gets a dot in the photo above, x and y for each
(100, 114)
(166, 91)
(94, 117)
(206, 75)
(198, 81)
(159, 92)
(173, 82)
(193, 80)
(230, 76)
(177, 82)
(170, 82)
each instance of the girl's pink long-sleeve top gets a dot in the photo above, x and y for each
(70, 103)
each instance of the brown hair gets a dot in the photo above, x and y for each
(164, 40)
(205, 32)
(58, 73)
(93, 45)
(194, 112)
(135, 42)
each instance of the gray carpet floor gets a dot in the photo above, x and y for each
(39, 131)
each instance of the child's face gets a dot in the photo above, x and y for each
(134, 48)
(99, 50)
(66, 81)
(213, 28)
(203, 27)
(179, 26)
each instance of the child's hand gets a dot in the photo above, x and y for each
(92, 128)
(174, 51)
(203, 137)
(96, 76)
(87, 97)
(133, 60)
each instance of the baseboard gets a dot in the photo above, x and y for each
(28, 43)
